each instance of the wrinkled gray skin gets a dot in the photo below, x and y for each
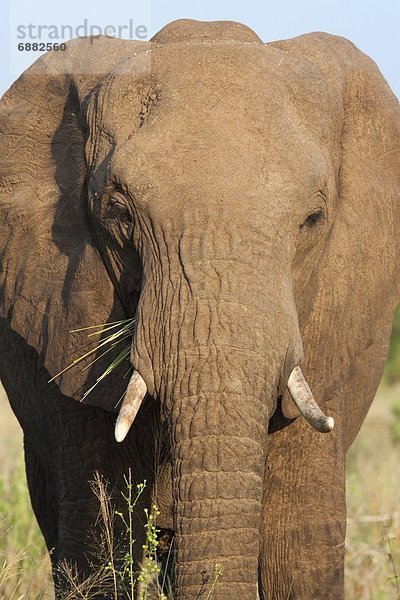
(242, 200)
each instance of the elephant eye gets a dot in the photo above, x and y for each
(118, 215)
(313, 218)
(117, 207)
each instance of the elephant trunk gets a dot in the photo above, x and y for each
(218, 456)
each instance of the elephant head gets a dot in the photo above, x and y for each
(242, 201)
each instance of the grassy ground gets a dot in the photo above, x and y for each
(24, 563)
(373, 501)
(373, 491)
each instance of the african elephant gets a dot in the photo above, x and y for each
(241, 200)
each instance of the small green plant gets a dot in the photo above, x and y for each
(119, 568)
(131, 499)
(150, 568)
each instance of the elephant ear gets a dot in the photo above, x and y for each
(347, 331)
(52, 278)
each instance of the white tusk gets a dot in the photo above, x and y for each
(305, 402)
(134, 396)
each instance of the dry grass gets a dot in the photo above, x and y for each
(24, 562)
(373, 500)
(373, 490)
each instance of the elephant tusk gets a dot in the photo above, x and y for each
(305, 402)
(134, 396)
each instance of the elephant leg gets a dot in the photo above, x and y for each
(44, 498)
(304, 515)
(43, 491)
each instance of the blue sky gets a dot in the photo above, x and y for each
(373, 25)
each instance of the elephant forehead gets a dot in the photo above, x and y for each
(217, 150)
(240, 83)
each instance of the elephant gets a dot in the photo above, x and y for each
(240, 201)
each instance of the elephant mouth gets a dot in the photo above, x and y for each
(297, 388)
